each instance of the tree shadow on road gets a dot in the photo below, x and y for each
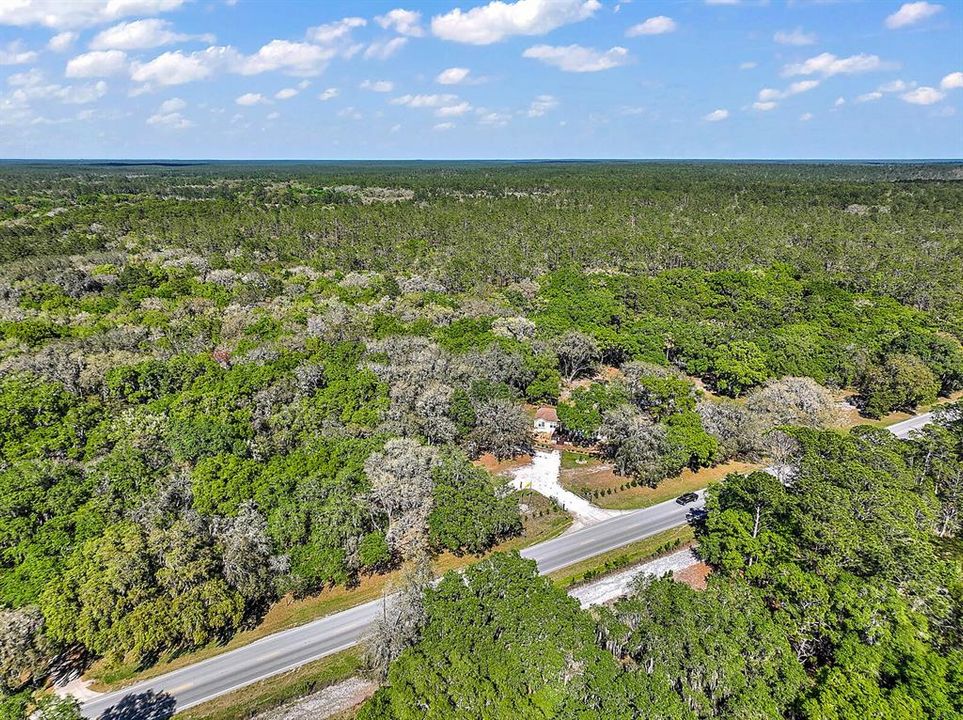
(142, 706)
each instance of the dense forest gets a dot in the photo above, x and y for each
(221, 384)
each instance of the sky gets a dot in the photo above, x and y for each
(253, 79)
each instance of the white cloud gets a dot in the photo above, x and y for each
(290, 92)
(869, 97)
(494, 119)
(14, 54)
(952, 81)
(382, 50)
(453, 110)
(169, 115)
(63, 15)
(840, 101)
(250, 99)
(83, 94)
(28, 78)
(381, 86)
(350, 112)
(329, 94)
(425, 101)
(30, 86)
(141, 35)
(806, 117)
(658, 25)
(894, 86)
(453, 76)
(541, 105)
(800, 86)
(175, 104)
(444, 126)
(273, 115)
(827, 64)
(748, 65)
(498, 20)
(923, 95)
(768, 95)
(794, 37)
(911, 13)
(100, 63)
(406, 22)
(764, 106)
(336, 32)
(61, 42)
(716, 115)
(575, 58)
(176, 68)
(293, 58)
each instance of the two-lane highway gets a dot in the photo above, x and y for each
(292, 648)
(608, 535)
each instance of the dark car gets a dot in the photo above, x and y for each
(687, 498)
(696, 515)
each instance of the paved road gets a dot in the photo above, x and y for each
(608, 535)
(292, 648)
(903, 429)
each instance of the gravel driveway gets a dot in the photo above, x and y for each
(542, 474)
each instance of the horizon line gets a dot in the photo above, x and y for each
(474, 159)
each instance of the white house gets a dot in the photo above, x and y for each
(546, 420)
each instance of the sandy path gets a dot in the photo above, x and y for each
(324, 703)
(619, 584)
(542, 476)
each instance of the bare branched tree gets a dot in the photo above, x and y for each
(577, 354)
(23, 651)
(401, 620)
(401, 487)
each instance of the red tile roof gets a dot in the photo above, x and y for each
(547, 413)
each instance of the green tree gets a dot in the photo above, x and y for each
(901, 382)
(721, 650)
(470, 510)
(738, 366)
(530, 654)
(222, 482)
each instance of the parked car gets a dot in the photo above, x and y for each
(687, 498)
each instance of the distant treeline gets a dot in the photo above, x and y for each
(892, 229)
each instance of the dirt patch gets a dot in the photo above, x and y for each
(502, 467)
(695, 576)
(326, 703)
(611, 587)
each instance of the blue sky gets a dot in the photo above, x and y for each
(469, 79)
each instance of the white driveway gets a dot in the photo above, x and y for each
(542, 474)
